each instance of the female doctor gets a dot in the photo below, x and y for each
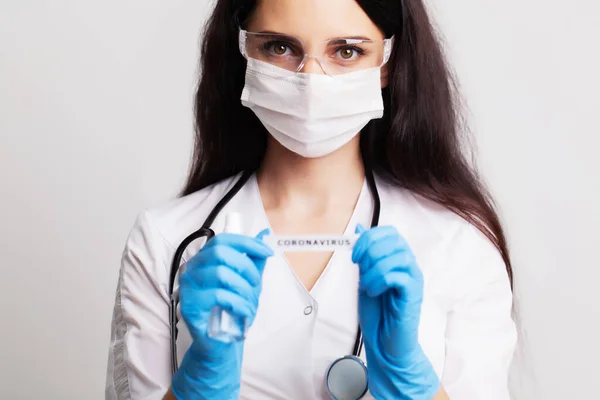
(339, 111)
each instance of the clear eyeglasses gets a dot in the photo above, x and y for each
(336, 56)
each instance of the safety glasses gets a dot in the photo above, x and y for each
(335, 56)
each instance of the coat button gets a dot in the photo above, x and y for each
(308, 310)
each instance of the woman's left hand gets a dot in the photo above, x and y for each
(390, 297)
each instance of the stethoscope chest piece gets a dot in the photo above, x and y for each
(346, 379)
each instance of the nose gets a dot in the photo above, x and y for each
(313, 66)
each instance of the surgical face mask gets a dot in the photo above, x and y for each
(311, 114)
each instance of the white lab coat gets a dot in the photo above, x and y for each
(466, 326)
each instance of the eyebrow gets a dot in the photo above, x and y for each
(327, 40)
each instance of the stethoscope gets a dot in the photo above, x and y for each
(346, 377)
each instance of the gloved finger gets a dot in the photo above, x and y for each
(225, 255)
(262, 234)
(234, 303)
(378, 251)
(220, 276)
(399, 261)
(244, 244)
(197, 304)
(368, 238)
(400, 280)
(261, 262)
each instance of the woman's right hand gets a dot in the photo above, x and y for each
(226, 272)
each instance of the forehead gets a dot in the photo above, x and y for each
(313, 19)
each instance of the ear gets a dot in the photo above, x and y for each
(384, 76)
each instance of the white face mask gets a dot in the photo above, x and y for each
(311, 114)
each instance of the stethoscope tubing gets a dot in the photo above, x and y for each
(208, 233)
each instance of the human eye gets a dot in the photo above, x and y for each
(349, 53)
(279, 48)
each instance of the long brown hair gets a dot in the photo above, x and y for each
(416, 145)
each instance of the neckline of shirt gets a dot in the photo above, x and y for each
(261, 222)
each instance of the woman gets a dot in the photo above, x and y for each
(313, 98)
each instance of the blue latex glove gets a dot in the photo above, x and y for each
(390, 296)
(226, 272)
